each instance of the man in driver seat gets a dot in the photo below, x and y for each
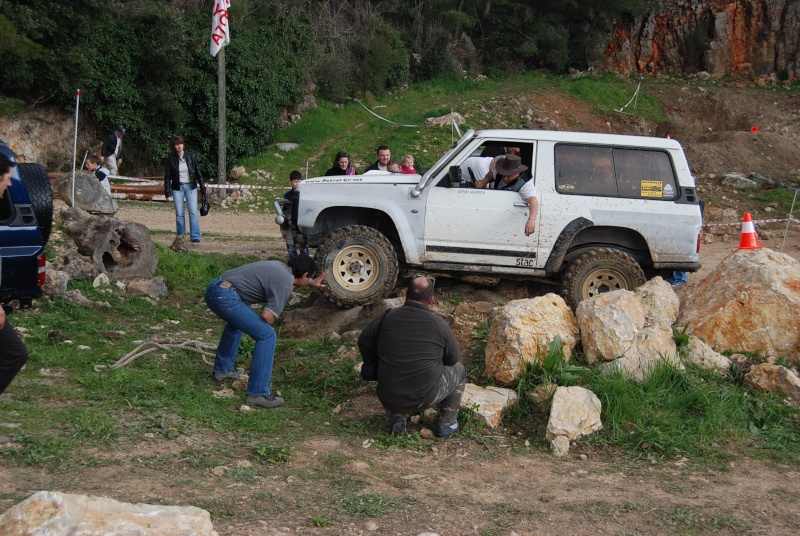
(509, 176)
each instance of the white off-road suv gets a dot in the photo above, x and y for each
(597, 229)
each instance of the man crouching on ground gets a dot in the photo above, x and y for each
(417, 358)
(231, 295)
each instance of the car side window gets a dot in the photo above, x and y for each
(645, 174)
(613, 172)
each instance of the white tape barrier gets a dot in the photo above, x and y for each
(794, 220)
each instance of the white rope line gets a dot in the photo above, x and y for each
(383, 118)
(205, 349)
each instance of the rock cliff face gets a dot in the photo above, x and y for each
(720, 37)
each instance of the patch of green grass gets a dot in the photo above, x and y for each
(364, 505)
(273, 454)
(691, 413)
(780, 199)
(609, 93)
(320, 521)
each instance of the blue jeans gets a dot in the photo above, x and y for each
(190, 196)
(678, 278)
(241, 318)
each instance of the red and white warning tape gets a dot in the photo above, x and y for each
(245, 187)
(754, 221)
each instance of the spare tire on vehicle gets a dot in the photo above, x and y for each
(35, 179)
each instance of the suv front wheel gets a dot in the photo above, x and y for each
(362, 266)
(600, 270)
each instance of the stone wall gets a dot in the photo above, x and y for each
(720, 37)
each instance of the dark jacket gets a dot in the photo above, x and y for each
(373, 167)
(412, 345)
(336, 170)
(110, 144)
(172, 178)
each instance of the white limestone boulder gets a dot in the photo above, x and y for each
(660, 302)
(704, 356)
(488, 403)
(48, 513)
(575, 413)
(522, 330)
(617, 329)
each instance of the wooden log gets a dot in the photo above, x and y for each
(119, 249)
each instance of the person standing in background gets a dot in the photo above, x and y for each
(181, 179)
(112, 150)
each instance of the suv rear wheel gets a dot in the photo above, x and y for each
(600, 270)
(362, 266)
(37, 183)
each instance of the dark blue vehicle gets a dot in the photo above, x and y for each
(26, 218)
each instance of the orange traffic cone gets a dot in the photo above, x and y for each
(749, 239)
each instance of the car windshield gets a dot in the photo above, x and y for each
(445, 159)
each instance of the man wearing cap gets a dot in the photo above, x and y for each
(509, 170)
(112, 150)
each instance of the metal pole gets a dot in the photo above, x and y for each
(221, 142)
(75, 142)
(789, 220)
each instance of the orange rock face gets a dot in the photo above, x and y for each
(757, 37)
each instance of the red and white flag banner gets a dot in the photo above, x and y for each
(220, 29)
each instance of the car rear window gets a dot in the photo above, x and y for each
(614, 172)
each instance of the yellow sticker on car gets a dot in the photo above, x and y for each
(652, 188)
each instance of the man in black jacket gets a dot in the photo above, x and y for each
(417, 358)
(112, 150)
(384, 154)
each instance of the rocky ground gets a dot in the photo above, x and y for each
(498, 484)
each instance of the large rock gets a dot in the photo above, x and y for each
(774, 379)
(155, 287)
(322, 316)
(48, 513)
(488, 403)
(704, 356)
(660, 302)
(575, 412)
(521, 332)
(79, 267)
(749, 302)
(55, 283)
(89, 194)
(617, 328)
